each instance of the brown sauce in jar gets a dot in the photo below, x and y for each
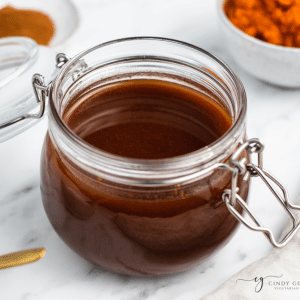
(150, 119)
(142, 231)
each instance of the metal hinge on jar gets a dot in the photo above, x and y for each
(231, 197)
(41, 91)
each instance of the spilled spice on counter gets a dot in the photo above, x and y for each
(272, 21)
(29, 23)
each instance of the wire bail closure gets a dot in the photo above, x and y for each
(230, 197)
(41, 91)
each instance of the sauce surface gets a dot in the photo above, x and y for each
(147, 119)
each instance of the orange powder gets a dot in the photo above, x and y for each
(273, 21)
(29, 23)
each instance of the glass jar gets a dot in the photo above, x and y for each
(138, 216)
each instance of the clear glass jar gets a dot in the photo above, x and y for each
(133, 216)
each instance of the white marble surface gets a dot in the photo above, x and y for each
(273, 116)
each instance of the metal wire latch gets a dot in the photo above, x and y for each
(41, 92)
(230, 197)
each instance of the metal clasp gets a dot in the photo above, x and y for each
(230, 197)
(61, 60)
(41, 92)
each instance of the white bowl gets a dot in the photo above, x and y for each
(271, 63)
(62, 12)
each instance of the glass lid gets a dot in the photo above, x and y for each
(20, 59)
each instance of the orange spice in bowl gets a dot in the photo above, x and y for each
(273, 21)
(258, 54)
(30, 23)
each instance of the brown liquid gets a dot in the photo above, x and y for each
(152, 119)
(140, 231)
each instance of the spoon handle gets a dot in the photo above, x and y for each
(21, 257)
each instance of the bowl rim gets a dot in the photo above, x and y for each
(227, 22)
(67, 40)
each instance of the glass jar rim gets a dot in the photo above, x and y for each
(146, 170)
